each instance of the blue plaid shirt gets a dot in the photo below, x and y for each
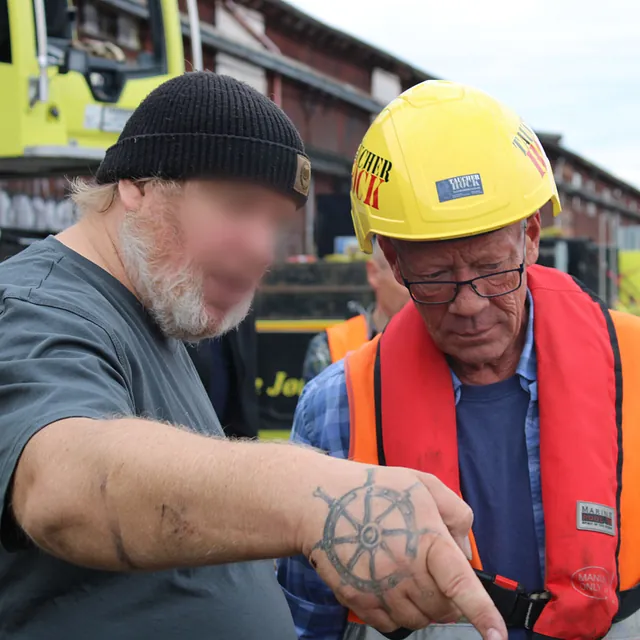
(322, 421)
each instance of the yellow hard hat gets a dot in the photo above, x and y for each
(446, 161)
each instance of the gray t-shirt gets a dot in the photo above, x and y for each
(75, 342)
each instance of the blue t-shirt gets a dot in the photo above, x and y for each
(494, 476)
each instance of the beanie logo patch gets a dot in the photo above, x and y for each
(303, 176)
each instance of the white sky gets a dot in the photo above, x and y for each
(567, 66)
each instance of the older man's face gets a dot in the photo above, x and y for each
(472, 329)
(197, 254)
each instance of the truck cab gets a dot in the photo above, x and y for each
(66, 96)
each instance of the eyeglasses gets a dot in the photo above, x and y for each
(492, 285)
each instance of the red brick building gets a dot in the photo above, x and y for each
(331, 85)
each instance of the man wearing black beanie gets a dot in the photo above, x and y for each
(124, 513)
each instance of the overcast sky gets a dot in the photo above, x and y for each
(567, 66)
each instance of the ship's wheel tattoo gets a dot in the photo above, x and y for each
(369, 534)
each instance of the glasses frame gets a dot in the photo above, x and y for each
(461, 283)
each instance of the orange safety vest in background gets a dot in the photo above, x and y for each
(347, 336)
(403, 413)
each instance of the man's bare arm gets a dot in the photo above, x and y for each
(136, 495)
(133, 494)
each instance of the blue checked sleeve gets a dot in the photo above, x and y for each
(322, 421)
(317, 358)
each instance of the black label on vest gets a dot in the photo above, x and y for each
(597, 518)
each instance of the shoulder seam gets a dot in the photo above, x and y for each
(75, 310)
(51, 267)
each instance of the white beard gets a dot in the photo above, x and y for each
(172, 296)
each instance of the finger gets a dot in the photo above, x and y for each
(367, 607)
(457, 581)
(455, 512)
(425, 594)
(465, 546)
(377, 618)
(405, 613)
(439, 609)
(453, 618)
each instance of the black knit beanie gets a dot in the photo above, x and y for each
(205, 125)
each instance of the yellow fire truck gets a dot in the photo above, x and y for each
(65, 96)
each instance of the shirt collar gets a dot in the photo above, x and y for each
(368, 314)
(527, 366)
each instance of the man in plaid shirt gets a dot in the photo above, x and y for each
(390, 298)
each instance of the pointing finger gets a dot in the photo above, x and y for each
(457, 581)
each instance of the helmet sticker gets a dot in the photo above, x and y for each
(527, 141)
(370, 172)
(459, 187)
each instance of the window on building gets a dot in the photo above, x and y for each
(97, 23)
(90, 19)
(141, 41)
(606, 193)
(251, 74)
(592, 209)
(576, 180)
(617, 193)
(128, 32)
(385, 86)
(591, 185)
(629, 238)
(108, 26)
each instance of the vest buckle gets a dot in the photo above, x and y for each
(537, 603)
(519, 608)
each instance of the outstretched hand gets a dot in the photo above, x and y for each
(388, 541)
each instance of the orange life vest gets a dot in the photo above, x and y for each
(347, 336)
(402, 407)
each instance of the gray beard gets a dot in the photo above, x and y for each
(173, 299)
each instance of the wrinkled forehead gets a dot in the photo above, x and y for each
(488, 247)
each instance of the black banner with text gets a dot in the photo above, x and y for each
(279, 383)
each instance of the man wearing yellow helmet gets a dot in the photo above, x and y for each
(508, 381)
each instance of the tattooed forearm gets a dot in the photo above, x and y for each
(370, 535)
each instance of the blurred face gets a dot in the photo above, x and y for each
(471, 329)
(391, 296)
(196, 254)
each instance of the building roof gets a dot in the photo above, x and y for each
(552, 144)
(291, 18)
(269, 60)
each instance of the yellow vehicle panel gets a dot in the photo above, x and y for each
(71, 121)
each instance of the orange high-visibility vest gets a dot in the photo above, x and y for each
(402, 407)
(347, 336)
